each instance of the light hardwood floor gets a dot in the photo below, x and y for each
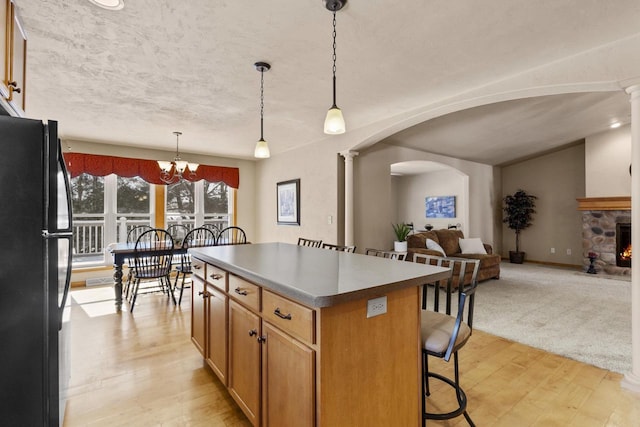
(141, 369)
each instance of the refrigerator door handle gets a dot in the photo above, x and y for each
(47, 235)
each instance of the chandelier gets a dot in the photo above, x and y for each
(174, 171)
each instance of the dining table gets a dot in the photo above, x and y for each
(124, 251)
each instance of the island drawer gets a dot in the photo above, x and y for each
(217, 277)
(244, 292)
(198, 268)
(289, 316)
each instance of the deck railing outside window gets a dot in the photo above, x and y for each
(89, 232)
(88, 237)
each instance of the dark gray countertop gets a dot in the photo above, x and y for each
(317, 277)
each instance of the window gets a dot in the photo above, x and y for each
(180, 207)
(87, 199)
(216, 204)
(106, 208)
(133, 205)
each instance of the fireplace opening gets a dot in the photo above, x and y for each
(623, 245)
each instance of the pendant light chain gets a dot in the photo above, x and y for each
(334, 58)
(334, 120)
(261, 103)
(177, 134)
(262, 148)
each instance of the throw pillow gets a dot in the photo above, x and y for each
(435, 247)
(472, 246)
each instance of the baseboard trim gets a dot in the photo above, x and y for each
(550, 264)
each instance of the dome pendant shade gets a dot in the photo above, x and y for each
(334, 122)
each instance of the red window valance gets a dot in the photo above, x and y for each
(93, 164)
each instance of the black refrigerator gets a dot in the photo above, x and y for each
(36, 245)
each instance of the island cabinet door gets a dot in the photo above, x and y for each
(288, 391)
(216, 353)
(198, 314)
(245, 336)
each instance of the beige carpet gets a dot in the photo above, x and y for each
(581, 316)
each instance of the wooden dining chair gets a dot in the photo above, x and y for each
(132, 237)
(309, 242)
(231, 236)
(341, 248)
(196, 238)
(213, 227)
(152, 263)
(178, 232)
(443, 335)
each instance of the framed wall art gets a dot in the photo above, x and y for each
(288, 202)
(440, 207)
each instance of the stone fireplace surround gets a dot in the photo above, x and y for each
(600, 215)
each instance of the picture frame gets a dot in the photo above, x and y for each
(440, 207)
(288, 202)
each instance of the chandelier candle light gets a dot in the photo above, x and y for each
(334, 122)
(174, 171)
(262, 149)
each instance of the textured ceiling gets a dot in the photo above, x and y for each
(135, 75)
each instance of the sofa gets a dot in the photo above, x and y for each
(449, 241)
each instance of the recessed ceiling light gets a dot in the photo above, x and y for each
(615, 125)
(109, 4)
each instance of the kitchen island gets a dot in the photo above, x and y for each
(311, 337)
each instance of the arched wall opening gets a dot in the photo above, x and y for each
(380, 149)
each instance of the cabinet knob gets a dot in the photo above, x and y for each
(204, 294)
(216, 276)
(262, 339)
(14, 87)
(240, 292)
(253, 332)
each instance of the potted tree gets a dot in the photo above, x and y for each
(518, 211)
(401, 231)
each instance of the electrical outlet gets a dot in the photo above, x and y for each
(568, 251)
(329, 220)
(376, 306)
(553, 250)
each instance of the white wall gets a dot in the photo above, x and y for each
(413, 189)
(607, 159)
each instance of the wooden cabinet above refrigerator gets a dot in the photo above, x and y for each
(13, 50)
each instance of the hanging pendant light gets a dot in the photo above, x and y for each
(334, 122)
(262, 148)
(173, 171)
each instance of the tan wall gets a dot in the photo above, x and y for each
(317, 166)
(413, 189)
(557, 179)
(376, 199)
(607, 159)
